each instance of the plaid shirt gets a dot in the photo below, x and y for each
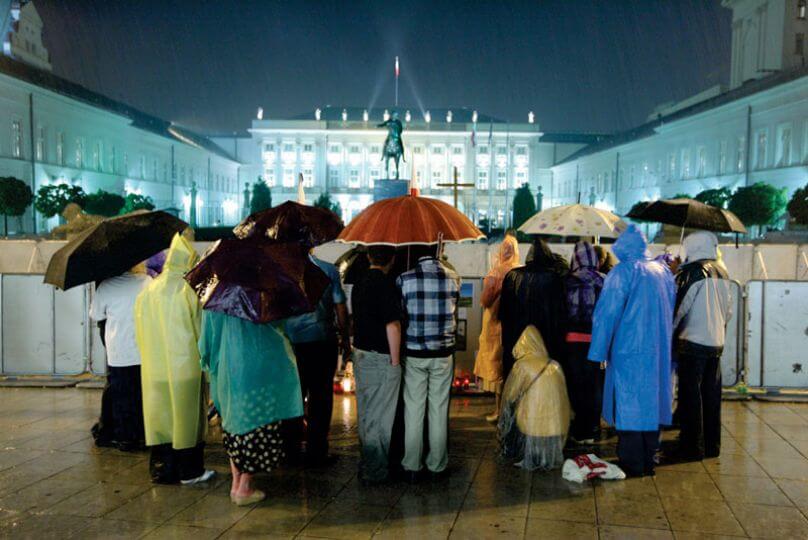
(430, 292)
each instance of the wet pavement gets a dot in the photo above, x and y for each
(55, 484)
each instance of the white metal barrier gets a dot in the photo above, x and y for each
(44, 331)
(777, 334)
(732, 359)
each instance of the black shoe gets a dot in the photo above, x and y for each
(412, 477)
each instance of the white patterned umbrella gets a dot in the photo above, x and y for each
(575, 220)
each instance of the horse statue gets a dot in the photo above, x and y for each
(393, 146)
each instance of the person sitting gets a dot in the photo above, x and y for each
(535, 415)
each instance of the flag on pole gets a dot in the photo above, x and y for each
(301, 194)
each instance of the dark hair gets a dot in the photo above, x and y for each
(381, 255)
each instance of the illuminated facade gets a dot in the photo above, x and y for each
(339, 150)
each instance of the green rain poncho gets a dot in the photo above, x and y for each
(253, 375)
(167, 318)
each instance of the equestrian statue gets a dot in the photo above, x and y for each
(393, 146)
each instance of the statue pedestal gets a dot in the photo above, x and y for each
(388, 188)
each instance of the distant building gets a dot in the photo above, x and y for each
(22, 33)
(56, 131)
(338, 150)
(755, 131)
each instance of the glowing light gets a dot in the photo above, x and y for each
(344, 115)
(386, 115)
(407, 116)
(260, 113)
(474, 117)
(347, 384)
(317, 114)
(365, 115)
(229, 206)
(427, 117)
(449, 117)
(531, 117)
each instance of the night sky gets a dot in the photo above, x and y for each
(581, 65)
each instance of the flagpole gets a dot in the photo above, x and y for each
(397, 71)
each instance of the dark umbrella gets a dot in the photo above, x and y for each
(689, 213)
(112, 247)
(257, 280)
(292, 222)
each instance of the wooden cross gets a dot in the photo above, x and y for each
(455, 186)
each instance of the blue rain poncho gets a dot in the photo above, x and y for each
(253, 375)
(632, 328)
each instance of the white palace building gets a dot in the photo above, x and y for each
(753, 129)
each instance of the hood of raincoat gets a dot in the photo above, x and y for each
(701, 245)
(508, 252)
(531, 343)
(631, 245)
(181, 255)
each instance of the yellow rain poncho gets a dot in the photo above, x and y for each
(488, 364)
(536, 412)
(167, 322)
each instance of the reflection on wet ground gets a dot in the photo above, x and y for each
(55, 484)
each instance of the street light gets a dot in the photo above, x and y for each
(344, 115)
(448, 117)
(260, 113)
(407, 116)
(365, 115)
(474, 117)
(386, 115)
(317, 114)
(531, 117)
(427, 117)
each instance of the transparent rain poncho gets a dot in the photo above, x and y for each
(253, 372)
(167, 317)
(535, 416)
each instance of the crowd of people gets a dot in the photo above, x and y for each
(563, 345)
(617, 335)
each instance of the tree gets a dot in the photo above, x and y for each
(524, 205)
(134, 201)
(325, 201)
(718, 197)
(759, 204)
(51, 199)
(798, 205)
(682, 196)
(15, 197)
(261, 197)
(103, 203)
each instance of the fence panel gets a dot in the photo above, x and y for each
(69, 330)
(28, 324)
(777, 334)
(732, 358)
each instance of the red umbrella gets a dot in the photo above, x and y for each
(258, 280)
(409, 220)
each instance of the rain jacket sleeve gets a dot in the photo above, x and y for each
(608, 312)
(167, 325)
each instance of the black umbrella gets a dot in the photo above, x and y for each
(689, 213)
(292, 222)
(112, 247)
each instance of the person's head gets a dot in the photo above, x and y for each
(381, 257)
(701, 245)
(584, 257)
(631, 245)
(542, 256)
(71, 211)
(602, 254)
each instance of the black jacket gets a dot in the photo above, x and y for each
(534, 295)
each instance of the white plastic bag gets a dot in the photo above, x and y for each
(589, 466)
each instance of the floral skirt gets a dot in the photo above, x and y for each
(260, 450)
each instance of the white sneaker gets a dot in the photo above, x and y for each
(204, 477)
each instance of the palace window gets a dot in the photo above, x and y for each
(79, 152)
(722, 157)
(685, 163)
(97, 156)
(40, 143)
(740, 162)
(457, 150)
(308, 177)
(437, 150)
(482, 150)
(335, 149)
(417, 150)
(308, 147)
(801, 8)
(60, 148)
(269, 177)
(502, 150)
(437, 177)
(143, 167)
(376, 150)
(482, 179)
(374, 174)
(701, 161)
(502, 180)
(783, 152)
(761, 142)
(354, 178)
(520, 178)
(269, 147)
(354, 149)
(632, 178)
(16, 138)
(521, 150)
(288, 147)
(288, 177)
(671, 167)
(333, 177)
